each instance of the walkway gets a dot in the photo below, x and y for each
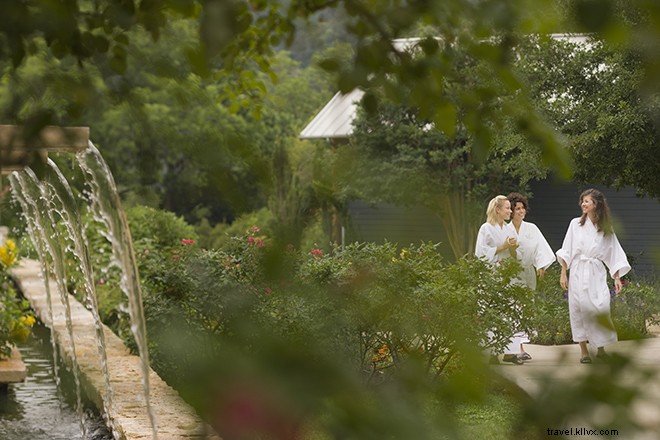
(176, 420)
(554, 368)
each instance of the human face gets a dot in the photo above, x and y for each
(504, 211)
(588, 206)
(519, 212)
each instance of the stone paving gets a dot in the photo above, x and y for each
(176, 420)
(554, 368)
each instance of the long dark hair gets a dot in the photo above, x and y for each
(603, 218)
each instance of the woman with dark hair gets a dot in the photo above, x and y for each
(589, 246)
(533, 251)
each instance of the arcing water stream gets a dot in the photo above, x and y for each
(49, 203)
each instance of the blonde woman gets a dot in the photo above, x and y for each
(495, 243)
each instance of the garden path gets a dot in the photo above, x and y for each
(553, 367)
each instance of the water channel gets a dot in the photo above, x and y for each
(39, 409)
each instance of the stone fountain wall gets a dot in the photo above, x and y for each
(176, 419)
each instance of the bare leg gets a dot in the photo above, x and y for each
(583, 348)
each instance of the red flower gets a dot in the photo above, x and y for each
(187, 241)
(268, 291)
(317, 252)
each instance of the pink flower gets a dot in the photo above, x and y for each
(250, 240)
(268, 291)
(185, 241)
(255, 229)
(176, 257)
(317, 252)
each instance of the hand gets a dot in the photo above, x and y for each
(512, 242)
(563, 280)
(540, 272)
(617, 285)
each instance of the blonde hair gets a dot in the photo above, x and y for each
(495, 203)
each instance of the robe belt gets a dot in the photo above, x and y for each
(591, 269)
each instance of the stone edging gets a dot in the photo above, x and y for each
(176, 419)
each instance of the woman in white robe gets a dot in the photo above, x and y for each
(493, 244)
(533, 251)
(589, 246)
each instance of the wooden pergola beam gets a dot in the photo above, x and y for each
(18, 147)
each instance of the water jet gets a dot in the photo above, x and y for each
(99, 358)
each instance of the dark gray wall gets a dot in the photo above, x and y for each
(553, 205)
(401, 225)
(637, 220)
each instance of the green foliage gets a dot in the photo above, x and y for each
(398, 156)
(360, 317)
(633, 310)
(551, 320)
(16, 318)
(220, 235)
(160, 228)
(594, 94)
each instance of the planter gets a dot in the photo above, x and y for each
(12, 370)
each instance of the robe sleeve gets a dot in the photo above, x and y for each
(544, 256)
(566, 253)
(486, 247)
(614, 257)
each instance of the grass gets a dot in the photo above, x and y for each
(495, 418)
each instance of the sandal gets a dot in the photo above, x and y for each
(585, 360)
(514, 359)
(525, 356)
(602, 356)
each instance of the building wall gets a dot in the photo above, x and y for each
(637, 220)
(401, 225)
(553, 205)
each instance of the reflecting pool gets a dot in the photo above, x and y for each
(36, 409)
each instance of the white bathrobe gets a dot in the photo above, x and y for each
(488, 239)
(533, 251)
(586, 253)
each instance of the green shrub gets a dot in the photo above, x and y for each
(634, 308)
(637, 305)
(16, 318)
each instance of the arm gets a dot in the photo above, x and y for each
(563, 278)
(617, 283)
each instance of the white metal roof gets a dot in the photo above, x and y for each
(335, 120)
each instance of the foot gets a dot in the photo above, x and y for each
(525, 356)
(514, 359)
(585, 359)
(602, 355)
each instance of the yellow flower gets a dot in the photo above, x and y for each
(28, 320)
(11, 244)
(8, 253)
